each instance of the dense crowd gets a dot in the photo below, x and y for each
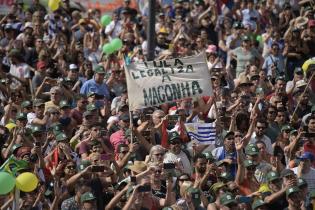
(65, 116)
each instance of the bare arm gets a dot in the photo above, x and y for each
(239, 145)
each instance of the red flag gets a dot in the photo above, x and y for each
(53, 161)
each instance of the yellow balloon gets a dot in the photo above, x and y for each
(26, 182)
(53, 4)
(10, 126)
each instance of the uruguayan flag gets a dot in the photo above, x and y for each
(204, 133)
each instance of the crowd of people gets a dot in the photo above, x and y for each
(64, 107)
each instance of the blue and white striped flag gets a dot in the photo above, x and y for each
(204, 133)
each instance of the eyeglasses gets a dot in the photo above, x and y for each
(230, 139)
(174, 142)
(287, 131)
(54, 113)
(28, 107)
(214, 79)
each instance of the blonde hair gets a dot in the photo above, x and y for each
(155, 148)
(184, 187)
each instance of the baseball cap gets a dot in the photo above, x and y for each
(64, 104)
(286, 172)
(216, 186)
(245, 38)
(248, 163)
(87, 113)
(83, 165)
(173, 136)
(124, 117)
(298, 70)
(61, 137)
(291, 190)
(227, 198)
(99, 69)
(21, 116)
(280, 78)
(238, 25)
(301, 182)
(15, 147)
(37, 129)
(229, 133)
(272, 175)
(251, 149)
(28, 25)
(258, 203)
(38, 102)
(307, 156)
(293, 132)
(73, 67)
(226, 175)
(91, 94)
(88, 196)
(285, 128)
(209, 156)
(26, 104)
(41, 64)
(91, 107)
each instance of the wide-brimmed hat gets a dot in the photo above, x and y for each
(138, 166)
(244, 81)
(300, 22)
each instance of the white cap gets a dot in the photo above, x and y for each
(28, 25)
(300, 83)
(73, 66)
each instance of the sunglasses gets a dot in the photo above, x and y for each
(28, 107)
(70, 167)
(184, 179)
(251, 168)
(54, 113)
(287, 131)
(174, 142)
(230, 139)
(259, 127)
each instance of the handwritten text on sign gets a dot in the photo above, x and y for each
(157, 82)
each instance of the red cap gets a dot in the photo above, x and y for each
(311, 23)
(41, 64)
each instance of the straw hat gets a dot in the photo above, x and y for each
(300, 22)
(244, 81)
(138, 166)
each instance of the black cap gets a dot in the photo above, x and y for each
(124, 117)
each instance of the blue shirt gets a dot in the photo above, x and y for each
(92, 86)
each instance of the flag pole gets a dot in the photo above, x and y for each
(308, 83)
(131, 125)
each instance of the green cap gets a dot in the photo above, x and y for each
(301, 182)
(87, 113)
(226, 175)
(312, 194)
(280, 78)
(251, 149)
(38, 102)
(168, 208)
(91, 94)
(229, 133)
(245, 38)
(285, 128)
(37, 129)
(173, 136)
(15, 147)
(83, 165)
(21, 116)
(61, 137)
(88, 196)
(26, 104)
(227, 198)
(258, 203)
(238, 25)
(64, 104)
(272, 175)
(91, 107)
(209, 156)
(293, 132)
(248, 163)
(292, 190)
(99, 69)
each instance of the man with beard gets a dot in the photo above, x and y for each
(176, 154)
(259, 135)
(227, 153)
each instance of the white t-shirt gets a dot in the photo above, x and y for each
(172, 158)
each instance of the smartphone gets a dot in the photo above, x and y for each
(169, 165)
(105, 157)
(245, 199)
(98, 168)
(144, 188)
(133, 180)
(37, 144)
(103, 132)
(146, 133)
(147, 117)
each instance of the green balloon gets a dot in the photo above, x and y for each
(7, 183)
(108, 49)
(105, 20)
(259, 38)
(116, 43)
